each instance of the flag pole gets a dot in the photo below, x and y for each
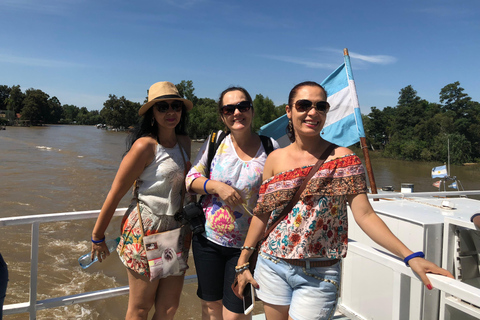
(366, 155)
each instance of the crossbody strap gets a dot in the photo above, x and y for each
(295, 199)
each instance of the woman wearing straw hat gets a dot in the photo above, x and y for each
(231, 188)
(154, 160)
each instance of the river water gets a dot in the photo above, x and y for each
(55, 169)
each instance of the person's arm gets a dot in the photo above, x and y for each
(476, 220)
(378, 231)
(198, 183)
(255, 233)
(132, 165)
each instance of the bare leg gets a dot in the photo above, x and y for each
(212, 310)
(168, 297)
(141, 297)
(275, 312)
(229, 315)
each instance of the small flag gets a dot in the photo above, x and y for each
(437, 184)
(343, 125)
(453, 185)
(439, 172)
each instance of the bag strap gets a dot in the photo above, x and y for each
(267, 144)
(213, 145)
(183, 190)
(295, 199)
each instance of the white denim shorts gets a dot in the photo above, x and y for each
(311, 293)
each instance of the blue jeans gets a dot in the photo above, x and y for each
(311, 293)
(3, 283)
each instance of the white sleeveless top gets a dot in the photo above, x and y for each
(160, 184)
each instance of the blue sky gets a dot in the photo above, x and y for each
(81, 51)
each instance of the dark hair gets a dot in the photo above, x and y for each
(289, 129)
(229, 89)
(145, 128)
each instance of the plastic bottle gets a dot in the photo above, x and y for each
(86, 260)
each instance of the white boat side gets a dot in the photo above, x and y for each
(454, 293)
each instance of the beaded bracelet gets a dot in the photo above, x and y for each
(247, 248)
(205, 186)
(245, 265)
(98, 241)
(413, 255)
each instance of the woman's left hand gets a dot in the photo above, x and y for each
(421, 267)
(242, 279)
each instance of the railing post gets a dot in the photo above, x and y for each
(34, 270)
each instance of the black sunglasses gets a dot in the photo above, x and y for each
(242, 106)
(305, 105)
(163, 106)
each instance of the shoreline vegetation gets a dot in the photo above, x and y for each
(414, 129)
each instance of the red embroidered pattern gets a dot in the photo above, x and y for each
(317, 225)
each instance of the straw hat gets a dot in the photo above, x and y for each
(161, 91)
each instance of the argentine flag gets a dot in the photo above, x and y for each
(344, 125)
(439, 172)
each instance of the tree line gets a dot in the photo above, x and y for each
(414, 129)
(37, 107)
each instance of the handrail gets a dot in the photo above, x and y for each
(450, 286)
(423, 194)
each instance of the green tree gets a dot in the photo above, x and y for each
(185, 89)
(35, 106)
(203, 119)
(453, 98)
(70, 113)
(264, 111)
(14, 101)
(4, 93)
(120, 112)
(55, 110)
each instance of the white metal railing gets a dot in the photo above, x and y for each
(459, 291)
(423, 194)
(32, 306)
(452, 287)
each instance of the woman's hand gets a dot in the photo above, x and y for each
(100, 250)
(421, 267)
(241, 281)
(227, 193)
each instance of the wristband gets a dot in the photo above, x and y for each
(98, 241)
(205, 186)
(413, 255)
(475, 215)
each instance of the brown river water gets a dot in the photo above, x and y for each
(56, 169)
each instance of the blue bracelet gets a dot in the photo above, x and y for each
(98, 241)
(475, 215)
(413, 255)
(205, 186)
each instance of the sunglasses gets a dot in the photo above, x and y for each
(242, 106)
(163, 106)
(305, 106)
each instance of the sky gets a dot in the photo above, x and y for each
(83, 50)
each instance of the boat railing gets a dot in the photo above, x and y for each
(458, 294)
(449, 286)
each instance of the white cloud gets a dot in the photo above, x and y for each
(303, 62)
(36, 62)
(378, 59)
(56, 7)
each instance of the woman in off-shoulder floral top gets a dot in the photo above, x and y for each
(298, 271)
